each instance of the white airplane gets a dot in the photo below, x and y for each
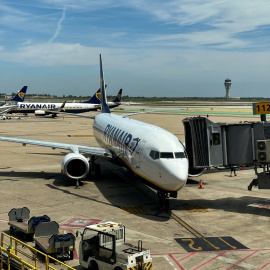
(52, 108)
(153, 154)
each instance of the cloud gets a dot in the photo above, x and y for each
(58, 29)
(202, 22)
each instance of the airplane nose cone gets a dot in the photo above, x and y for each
(175, 174)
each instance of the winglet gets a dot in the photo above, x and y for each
(103, 96)
(20, 95)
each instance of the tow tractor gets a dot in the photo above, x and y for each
(103, 246)
(19, 219)
(48, 240)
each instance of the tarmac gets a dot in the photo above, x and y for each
(219, 226)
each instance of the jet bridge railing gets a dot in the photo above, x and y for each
(16, 254)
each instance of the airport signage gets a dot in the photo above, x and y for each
(261, 108)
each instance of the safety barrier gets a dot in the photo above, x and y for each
(13, 249)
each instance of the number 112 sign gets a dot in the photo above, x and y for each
(261, 108)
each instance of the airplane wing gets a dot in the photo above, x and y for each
(77, 114)
(129, 114)
(99, 152)
(6, 109)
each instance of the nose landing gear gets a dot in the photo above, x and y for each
(163, 200)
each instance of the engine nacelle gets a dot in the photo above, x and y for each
(75, 166)
(40, 113)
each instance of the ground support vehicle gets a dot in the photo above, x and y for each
(48, 240)
(103, 246)
(19, 220)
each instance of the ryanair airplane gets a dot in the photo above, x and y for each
(52, 108)
(153, 154)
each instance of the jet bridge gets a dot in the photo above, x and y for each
(210, 144)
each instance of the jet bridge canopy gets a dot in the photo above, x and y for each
(210, 144)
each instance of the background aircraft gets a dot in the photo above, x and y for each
(53, 108)
(153, 154)
(19, 97)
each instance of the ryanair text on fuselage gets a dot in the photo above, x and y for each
(37, 106)
(120, 138)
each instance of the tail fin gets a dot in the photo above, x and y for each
(95, 99)
(20, 95)
(118, 97)
(103, 96)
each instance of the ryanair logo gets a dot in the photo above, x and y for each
(37, 106)
(119, 96)
(98, 96)
(120, 138)
(21, 95)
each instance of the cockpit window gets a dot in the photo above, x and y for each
(169, 155)
(154, 154)
(166, 155)
(180, 155)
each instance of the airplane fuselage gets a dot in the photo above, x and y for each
(152, 153)
(33, 107)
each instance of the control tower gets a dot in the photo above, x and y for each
(227, 84)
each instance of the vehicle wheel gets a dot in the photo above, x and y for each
(118, 268)
(11, 230)
(71, 255)
(93, 265)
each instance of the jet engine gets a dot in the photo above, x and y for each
(75, 166)
(40, 113)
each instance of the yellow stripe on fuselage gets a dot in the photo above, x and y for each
(142, 176)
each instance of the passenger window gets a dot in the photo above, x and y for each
(180, 155)
(166, 155)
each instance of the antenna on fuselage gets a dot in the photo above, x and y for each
(103, 96)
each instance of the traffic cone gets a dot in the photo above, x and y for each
(201, 186)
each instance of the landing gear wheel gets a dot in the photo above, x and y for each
(167, 204)
(97, 169)
(163, 201)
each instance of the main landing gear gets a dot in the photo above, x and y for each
(94, 166)
(163, 200)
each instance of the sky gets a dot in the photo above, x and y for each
(172, 48)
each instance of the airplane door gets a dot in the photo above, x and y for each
(137, 153)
